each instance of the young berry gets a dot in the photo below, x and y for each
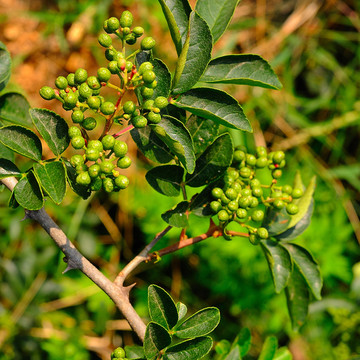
(81, 168)
(287, 189)
(83, 178)
(105, 40)
(71, 79)
(239, 156)
(112, 24)
(118, 353)
(121, 63)
(124, 162)
(215, 206)
(95, 144)
(120, 148)
(244, 202)
(103, 74)
(254, 202)
(126, 20)
(147, 43)
(61, 82)
(261, 162)
(94, 82)
(127, 31)
(80, 76)
(231, 194)
(109, 54)
(292, 209)
(223, 215)
(257, 191)
(47, 93)
(85, 91)
(107, 108)
(93, 102)
(246, 192)
(147, 93)
(76, 160)
(129, 107)
(241, 213)
(233, 205)
(161, 102)
(153, 117)
(297, 193)
(217, 192)
(245, 172)
(70, 100)
(96, 183)
(261, 151)
(263, 233)
(278, 157)
(77, 116)
(250, 160)
(89, 123)
(108, 142)
(94, 170)
(145, 66)
(130, 38)
(254, 239)
(122, 181)
(276, 173)
(113, 67)
(278, 204)
(108, 185)
(148, 76)
(139, 121)
(128, 66)
(78, 142)
(107, 167)
(92, 154)
(224, 199)
(255, 183)
(148, 104)
(257, 215)
(236, 186)
(151, 85)
(138, 31)
(73, 132)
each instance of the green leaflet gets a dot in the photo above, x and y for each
(156, 339)
(5, 66)
(53, 128)
(194, 56)
(15, 108)
(163, 78)
(215, 105)
(28, 193)
(244, 69)
(21, 140)
(217, 14)
(269, 348)
(8, 168)
(177, 216)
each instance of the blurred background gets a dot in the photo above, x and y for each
(314, 47)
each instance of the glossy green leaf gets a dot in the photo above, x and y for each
(299, 228)
(193, 349)
(5, 66)
(307, 266)
(15, 108)
(217, 14)
(71, 175)
(177, 137)
(181, 309)
(279, 262)
(243, 340)
(151, 146)
(203, 132)
(215, 105)
(195, 55)
(12, 201)
(53, 128)
(213, 162)
(162, 308)
(276, 222)
(297, 297)
(166, 179)
(156, 339)
(177, 14)
(201, 323)
(28, 194)
(51, 177)
(234, 354)
(21, 140)
(269, 348)
(303, 203)
(177, 216)
(246, 69)
(8, 168)
(134, 351)
(163, 78)
(283, 354)
(6, 153)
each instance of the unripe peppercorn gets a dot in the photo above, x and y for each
(278, 204)
(118, 353)
(80, 76)
(138, 31)
(154, 118)
(241, 213)
(128, 66)
(89, 123)
(76, 160)
(233, 205)
(129, 107)
(254, 239)
(239, 156)
(130, 38)
(77, 116)
(93, 102)
(292, 209)
(112, 24)
(96, 184)
(105, 40)
(257, 215)
(276, 173)
(261, 151)
(124, 162)
(122, 181)
(78, 142)
(147, 43)
(297, 193)
(148, 104)
(61, 82)
(148, 76)
(215, 206)
(70, 100)
(47, 93)
(244, 202)
(94, 170)
(94, 82)
(263, 233)
(250, 160)
(223, 215)
(139, 121)
(83, 178)
(245, 172)
(231, 194)
(109, 54)
(278, 157)
(108, 142)
(107, 167)
(108, 185)
(95, 144)
(287, 189)
(161, 102)
(74, 131)
(85, 91)
(126, 19)
(71, 79)
(113, 67)
(92, 154)
(147, 93)
(107, 108)
(145, 66)
(103, 74)
(120, 148)
(261, 162)
(217, 192)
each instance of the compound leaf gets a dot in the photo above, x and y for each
(177, 216)
(5, 66)
(279, 262)
(182, 309)
(246, 69)
(177, 14)
(163, 78)
(53, 128)
(28, 194)
(156, 339)
(15, 108)
(166, 179)
(162, 307)
(215, 105)
(21, 140)
(8, 168)
(201, 323)
(217, 14)
(193, 349)
(51, 177)
(213, 162)
(195, 55)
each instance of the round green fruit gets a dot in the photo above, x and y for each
(85, 91)
(147, 43)
(124, 162)
(94, 102)
(122, 181)
(113, 67)
(239, 156)
(78, 142)
(80, 76)
(83, 178)
(103, 74)
(215, 206)
(94, 170)
(161, 102)
(61, 82)
(292, 209)
(74, 132)
(108, 185)
(71, 79)
(153, 117)
(129, 107)
(47, 93)
(278, 157)
(139, 121)
(105, 40)
(231, 194)
(95, 144)
(107, 167)
(233, 205)
(250, 160)
(241, 213)
(245, 172)
(147, 93)
(261, 162)
(77, 116)
(118, 353)
(217, 192)
(71, 100)
(120, 148)
(112, 24)
(76, 160)
(130, 38)
(262, 233)
(92, 154)
(96, 184)
(257, 215)
(108, 142)
(94, 82)
(145, 66)
(148, 76)
(107, 108)
(297, 193)
(138, 31)
(223, 215)
(126, 20)
(89, 123)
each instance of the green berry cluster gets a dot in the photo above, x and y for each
(244, 199)
(97, 168)
(118, 354)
